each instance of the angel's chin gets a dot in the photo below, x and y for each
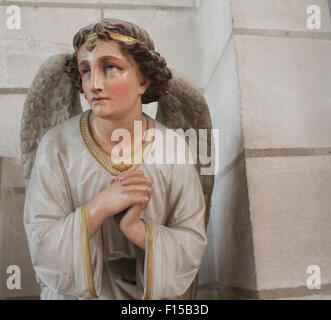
(102, 112)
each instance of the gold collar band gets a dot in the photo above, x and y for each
(105, 159)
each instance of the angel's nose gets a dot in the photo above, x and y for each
(96, 84)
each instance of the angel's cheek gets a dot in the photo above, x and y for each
(122, 92)
(119, 91)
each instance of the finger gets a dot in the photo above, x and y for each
(125, 175)
(137, 180)
(138, 188)
(131, 174)
(140, 198)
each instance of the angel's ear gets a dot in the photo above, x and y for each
(144, 84)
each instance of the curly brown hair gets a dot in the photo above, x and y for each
(150, 63)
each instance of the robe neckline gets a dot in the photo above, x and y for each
(105, 158)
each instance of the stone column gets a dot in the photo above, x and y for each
(284, 73)
(228, 270)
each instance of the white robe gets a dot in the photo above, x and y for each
(69, 265)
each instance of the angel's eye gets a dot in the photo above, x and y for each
(109, 67)
(85, 73)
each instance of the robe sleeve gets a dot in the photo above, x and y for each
(64, 258)
(174, 251)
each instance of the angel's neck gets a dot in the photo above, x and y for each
(102, 131)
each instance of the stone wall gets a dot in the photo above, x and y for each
(228, 270)
(284, 73)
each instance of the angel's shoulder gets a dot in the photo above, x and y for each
(61, 136)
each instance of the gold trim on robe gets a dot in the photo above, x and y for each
(105, 158)
(150, 262)
(87, 252)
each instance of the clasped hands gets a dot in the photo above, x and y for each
(130, 191)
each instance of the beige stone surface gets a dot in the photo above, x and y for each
(223, 98)
(20, 60)
(214, 30)
(11, 173)
(231, 229)
(278, 15)
(49, 25)
(207, 272)
(13, 244)
(220, 86)
(285, 91)
(167, 3)
(44, 32)
(10, 123)
(290, 212)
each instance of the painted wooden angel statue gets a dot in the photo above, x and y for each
(99, 224)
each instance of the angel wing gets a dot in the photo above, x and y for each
(185, 107)
(51, 99)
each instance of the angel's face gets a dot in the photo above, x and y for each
(111, 80)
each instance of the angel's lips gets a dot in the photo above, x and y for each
(99, 99)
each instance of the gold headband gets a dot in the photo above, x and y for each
(115, 36)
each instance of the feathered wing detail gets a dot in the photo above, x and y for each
(51, 99)
(185, 107)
